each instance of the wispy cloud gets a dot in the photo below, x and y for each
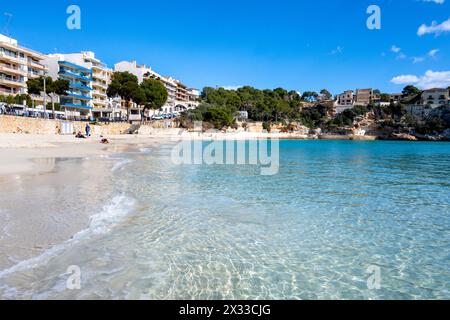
(395, 49)
(435, 1)
(338, 50)
(434, 28)
(430, 54)
(433, 53)
(431, 79)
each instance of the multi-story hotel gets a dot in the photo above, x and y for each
(17, 65)
(180, 97)
(77, 102)
(89, 80)
(143, 72)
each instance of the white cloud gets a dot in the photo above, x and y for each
(433, 52)
(434, 28)
(435, 1)
(395, 49)
(418, 59)
(431, 79)
(405, 79)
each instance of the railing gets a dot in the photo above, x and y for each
(103, 102)
(35, 64)
(11, 80)
(13, 57)
(76, 75)
(77, 106)
(78, 96)
(99, 84)
(79, 86)
(6, 67)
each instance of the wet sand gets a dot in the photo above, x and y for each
(50, 186)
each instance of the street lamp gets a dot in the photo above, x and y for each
(45, 94)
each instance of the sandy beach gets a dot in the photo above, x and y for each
(29, 163)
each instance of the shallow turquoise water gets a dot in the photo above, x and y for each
(312, 231)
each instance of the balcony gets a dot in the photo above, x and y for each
(79, 85)
(13, 82)
(99, 94)
(36, 64)
(76, 106)
(74, 66)
(13, 70)
(99, 84)
(74, 75)
(12, 58)
(100, 102)
(99, 76)
(6, 92)
(78, 96)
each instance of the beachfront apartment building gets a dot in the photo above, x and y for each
(77, 102)
(142, 72)
(180, 97)
(89, 79)
(17, 65)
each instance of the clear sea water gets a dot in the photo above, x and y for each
(335, 210)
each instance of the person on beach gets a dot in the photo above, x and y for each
(79, 135)
(88, 130)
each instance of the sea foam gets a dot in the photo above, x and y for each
(100, 223)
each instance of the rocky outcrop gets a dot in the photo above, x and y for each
(403, 137)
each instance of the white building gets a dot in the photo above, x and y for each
(17, 65)
(180, 97)
(89, 79)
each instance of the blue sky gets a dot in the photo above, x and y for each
(299, 45)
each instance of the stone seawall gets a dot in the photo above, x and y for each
(11, 124)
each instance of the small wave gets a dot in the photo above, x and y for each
(121, 164)
(145, 150)
(100, 223)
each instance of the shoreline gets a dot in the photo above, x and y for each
(19, 150)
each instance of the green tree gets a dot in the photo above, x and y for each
(36, 86)
(126, 86)
(326, 94)
(155, 94)
(385, 97)
(57, 87)
(310, 96)
(219, 117)
(410, 91)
